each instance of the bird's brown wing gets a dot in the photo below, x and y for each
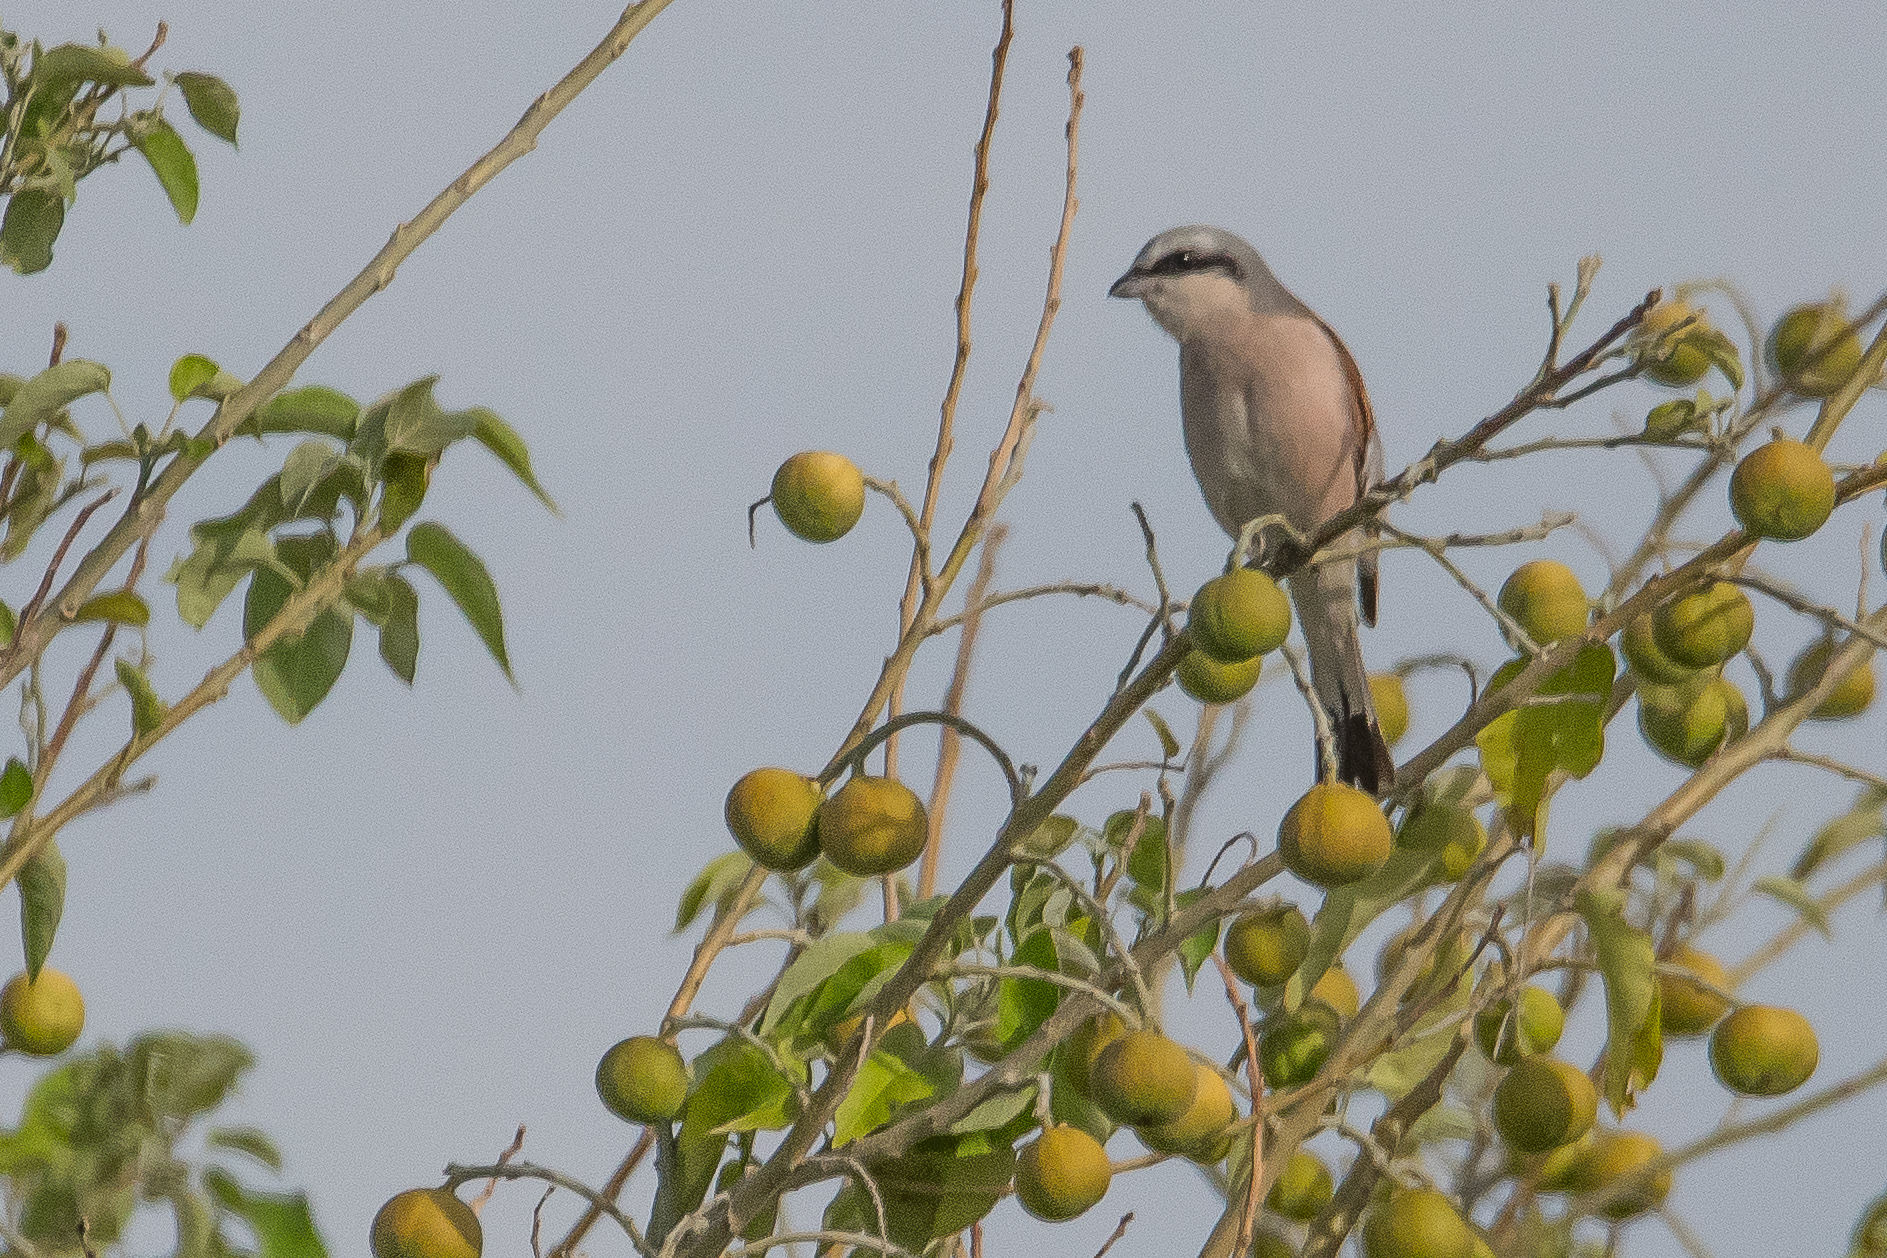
(1363, 417)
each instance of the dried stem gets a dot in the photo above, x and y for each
(950, 744)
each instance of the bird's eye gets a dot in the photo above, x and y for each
(1185, 258)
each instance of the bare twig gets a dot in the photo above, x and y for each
(950, 742)
(1320, 719)
(1255, 1081)
(456, 1175)
(1159, 577)
(491, 1185)
(606, 1199)
(1120, 1230)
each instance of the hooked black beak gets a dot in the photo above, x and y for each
(1127, 285)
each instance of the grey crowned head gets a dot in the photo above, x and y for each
(1185, 273)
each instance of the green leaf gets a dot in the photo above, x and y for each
(32, 223)
(399, 636)
(1197, 947)
(190, 373)
(248, 1141)
(1421, 1048)
(502, 440)
(217, 566)
(48, 393)
(738, 1089)
(411, 420)
(883, 1084)
(836, 977)
(282, 1224)
(1865, 821)
(42, 904)
(1522, 749)
(147, 710)
(122, 607)
(1722, 351)
(16, 789)
(85, 63)
(1634, 1045)
(1797, 897)
(713, 885)
(1348, 910)
(1168, 744)
(174, 167)
(184, 1075)
(312, 408)
(307, 466)
(1669, 420)
(212, 103)
(296, 673)
(464, 577)
(1023, 1004)
(1706, 860)
(8, 625)
(403, 478)
(939, 1188)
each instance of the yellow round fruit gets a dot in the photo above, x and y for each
(1295, 1045)
(1565, 1169)
(1064, 1172)
(1508, 1030)
(1210, 681)
(1672, 357)
(1268, 1244)
(1545, 598)
(1239, 615)
(1761, 1050)
(426, 1223)
(1639, 645)
(643, 1080)
(1432, 826)
(819, 495)
(1334, 835)
(41, 1017)
(1078, 1052)
(1303, 1188)
(1144, 1079)
(1417, 1223)
(1544, 1103)
(1338, 990)
(1265, 946)
(770, 813)
(1391, 700)
(872, 826)
(1685, 1007)
(1203, 1132)
(1782, 491)
(1688, 723)
(1814, 349)
(1704, 626)
(1616, 1156)
(1850, 697)
(1461, 851)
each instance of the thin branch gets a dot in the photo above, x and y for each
(1320, 719)
(1789, 755)
(491, 1185)
(29, 614)
(1159, 577)
(920, 541)
(456, 1175)
(950, 743)
(1510, 628)
(1080, 589)
(1789, 598)
(1120, 1230)
(1255, 1081)
(605, 1200)
(1798, 928)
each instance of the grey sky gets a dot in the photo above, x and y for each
(429, 912)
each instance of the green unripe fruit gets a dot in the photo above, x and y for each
(1078, 1052)
(1144, 1079)
(1852, 695)
(1782, 491)
(1147, 863)
(1688, 723)
(1545, 598)
(1705, 626)
(873, 826)
(1334, 835)
(1544, 1103)
(1508, 1030)
(1673, 356)
(1688, 1008)
(1814, 349)
(1337, 990)
(1616, 1156)
(1639, 645)
(42, 1017)
(1295, 1045)
(426, 1223)
(1391, 701)
(1268, 1244)
(1265, 946)
(1211, 681)
(770, 813)
(1417, 1223)
(1303, 1188)
(1063, 1173)
(1238, 616)
(1433, 826)
(1203, 1132)
(643, 1080)
(1761, 1050)
(819, 495)
(1565, 1169)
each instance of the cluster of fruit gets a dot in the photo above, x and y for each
(1813, 348)
(1233, 622)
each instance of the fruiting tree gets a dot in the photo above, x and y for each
(920, 1053)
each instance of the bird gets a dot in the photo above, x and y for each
(1277, 421)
